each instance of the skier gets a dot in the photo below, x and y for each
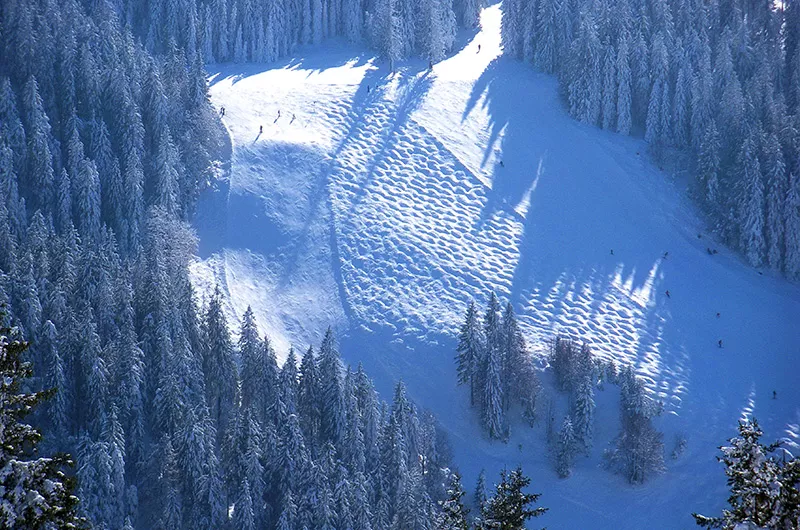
(774, 395)
(719, 343)
(667, 293)
(260, 129)
(717, 315)
(479, 48)
(430, 65)
(367, 89)
(293, 118)
(222, 111)
(666, 254)
(502, 164)
(612, 251)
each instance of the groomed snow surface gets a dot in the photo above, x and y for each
(381, 203)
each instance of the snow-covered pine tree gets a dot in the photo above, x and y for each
(331, 398)
(510, 507)
(566, 450)
(308, 399)
(453, 515)
(609, 107)
(751, 200)
(765, 491)
(583, 414)
(775, 180)
(40, 176)
(253, 362)
(469, 356)
(480, 495)
(584, 87)
(36, 492)
(218, 365)
(792, 227)
(494, 417)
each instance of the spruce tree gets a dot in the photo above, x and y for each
(509, 508)
(36, 491)
(454, 515)
(565, 456)
(469, 352)
(765, 488)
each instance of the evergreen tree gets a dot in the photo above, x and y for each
(509, 508)
(494, 418)
(36, 491)
(454, 515)
(218, 365)
(308, 399)
(331, 402)
(792, 227)
(765, 491)
(565, 457)
(775, 179)
(583, 414)
(751, 202)
(480, 494)
(40, 174)
(469, 352)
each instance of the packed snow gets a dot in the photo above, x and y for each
(380, 203)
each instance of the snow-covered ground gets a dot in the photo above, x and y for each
(381, 203)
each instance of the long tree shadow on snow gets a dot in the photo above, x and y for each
(549, 168)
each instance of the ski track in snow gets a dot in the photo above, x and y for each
(382, 203)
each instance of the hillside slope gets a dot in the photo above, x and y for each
(382, 203)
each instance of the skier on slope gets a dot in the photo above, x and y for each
(260, 129)
(719, 343)
(667, 293)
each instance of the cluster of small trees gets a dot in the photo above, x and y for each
(508, 509)
(764, 484)
(638, 450)
(575, 373)
(717, 80)
(493, 360)
(242, 30)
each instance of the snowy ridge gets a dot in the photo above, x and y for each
(391, 200)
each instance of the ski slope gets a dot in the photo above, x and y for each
(381, 203)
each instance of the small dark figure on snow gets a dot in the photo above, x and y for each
(666, 254)
(430, 65)
(479, 48)
(717, 315)
(260, 129)
(222, 111)
(293, 118)
(367, 89)
(279, 113)
(612, 251)
(774, 395)
(502, 164)
(719, 343)
(667, 293)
